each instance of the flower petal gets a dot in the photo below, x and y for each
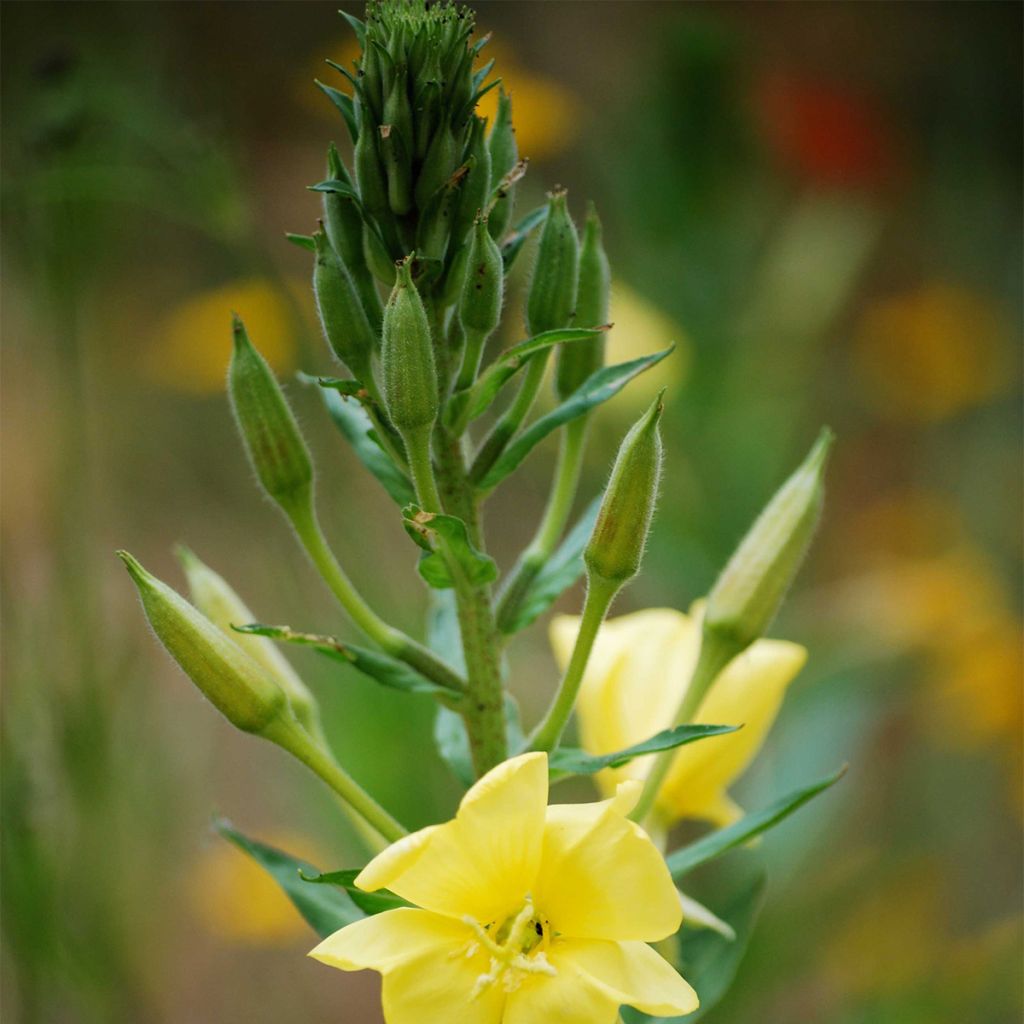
(601, 877)
(634, 683)
(633, 974)
(428, 976)
(749, 691)
(484, 862)
(567, 997)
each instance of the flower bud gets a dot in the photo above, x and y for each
(480, 302)
(438, 165)
(232, 681)
(407, 357)
(577, 362)
(342, 316)
(276, 448)
(504, 156)
(213, 596)
(747, 595)
(616, 546)
(552, 298)
(373, 189)
(476, 186)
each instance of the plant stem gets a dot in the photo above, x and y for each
(388, 638)
(715, 654)
(290, 736)
(417, 447)
(556, 515)
(600, 594)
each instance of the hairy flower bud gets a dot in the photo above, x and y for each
(342, 315)
(407, 357)
(552, 297)
(476, 186)
(480, 305)
(750, 590)
(232, 681)
(577, 362)
(504, 156)
(616, 546)
(276, 447)
(214, 597)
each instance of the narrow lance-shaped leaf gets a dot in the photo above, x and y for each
(512, 244)
(559, 572)
(381, 667)
(369, 902)
(325, 910)
(570, 761)
(306, 242)
(424, 527)
(709, 960)
(598, 388)
(716, 843)
(354, 424)
(345, 104)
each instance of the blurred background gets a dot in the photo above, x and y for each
(819, 203)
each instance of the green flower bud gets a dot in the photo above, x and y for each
(480, 301)
(407, 357)
(476, 186)
(577, 362)
(276, 449)
(377, 259)
(213, 596)
(552, 297)
(616, 546)
(504, 156)
(750, 590)
(370, 177)
(342, 316)
(230, 679)
(438, 165)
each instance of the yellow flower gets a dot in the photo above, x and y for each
(523, 912)
(635, 681)
(192, 346)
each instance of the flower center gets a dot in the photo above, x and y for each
(517, 947)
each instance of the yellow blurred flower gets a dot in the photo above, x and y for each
(522, 912)
(931, 353)
(191, 346)
(239, 902)
(636, 679)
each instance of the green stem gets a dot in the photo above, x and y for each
(417, 447)
(715, 653)
(388, 638)
(290, 736)
(471, 354)
(506, 427)
(600, 594)
(552, 525)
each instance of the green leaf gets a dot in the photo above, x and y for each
(342, 188)
(345, 104)
(716, 843)
(325, 910)
(425, 528)
(369, 902)
(570, 761)
(514, 241)
(468, 405)
(357, 26)
(351, 419)
(559, 573)
(708, 960)
(597, 388)
(382, 667)
(302, 241)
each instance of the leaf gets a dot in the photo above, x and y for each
(369, 902)
(351, 419)
(468, 405)
(709, 960)
(302, 241)
(345, 104)
(425, 527)
(514, 241)
(453, 743)
(386, 670)
(357, 26)
(559, 573)
(570, 761)
(336, 185)
(597, 388)
(716, 843)
(325, 910)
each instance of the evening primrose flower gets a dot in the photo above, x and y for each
(634, 684)
(523, 912)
